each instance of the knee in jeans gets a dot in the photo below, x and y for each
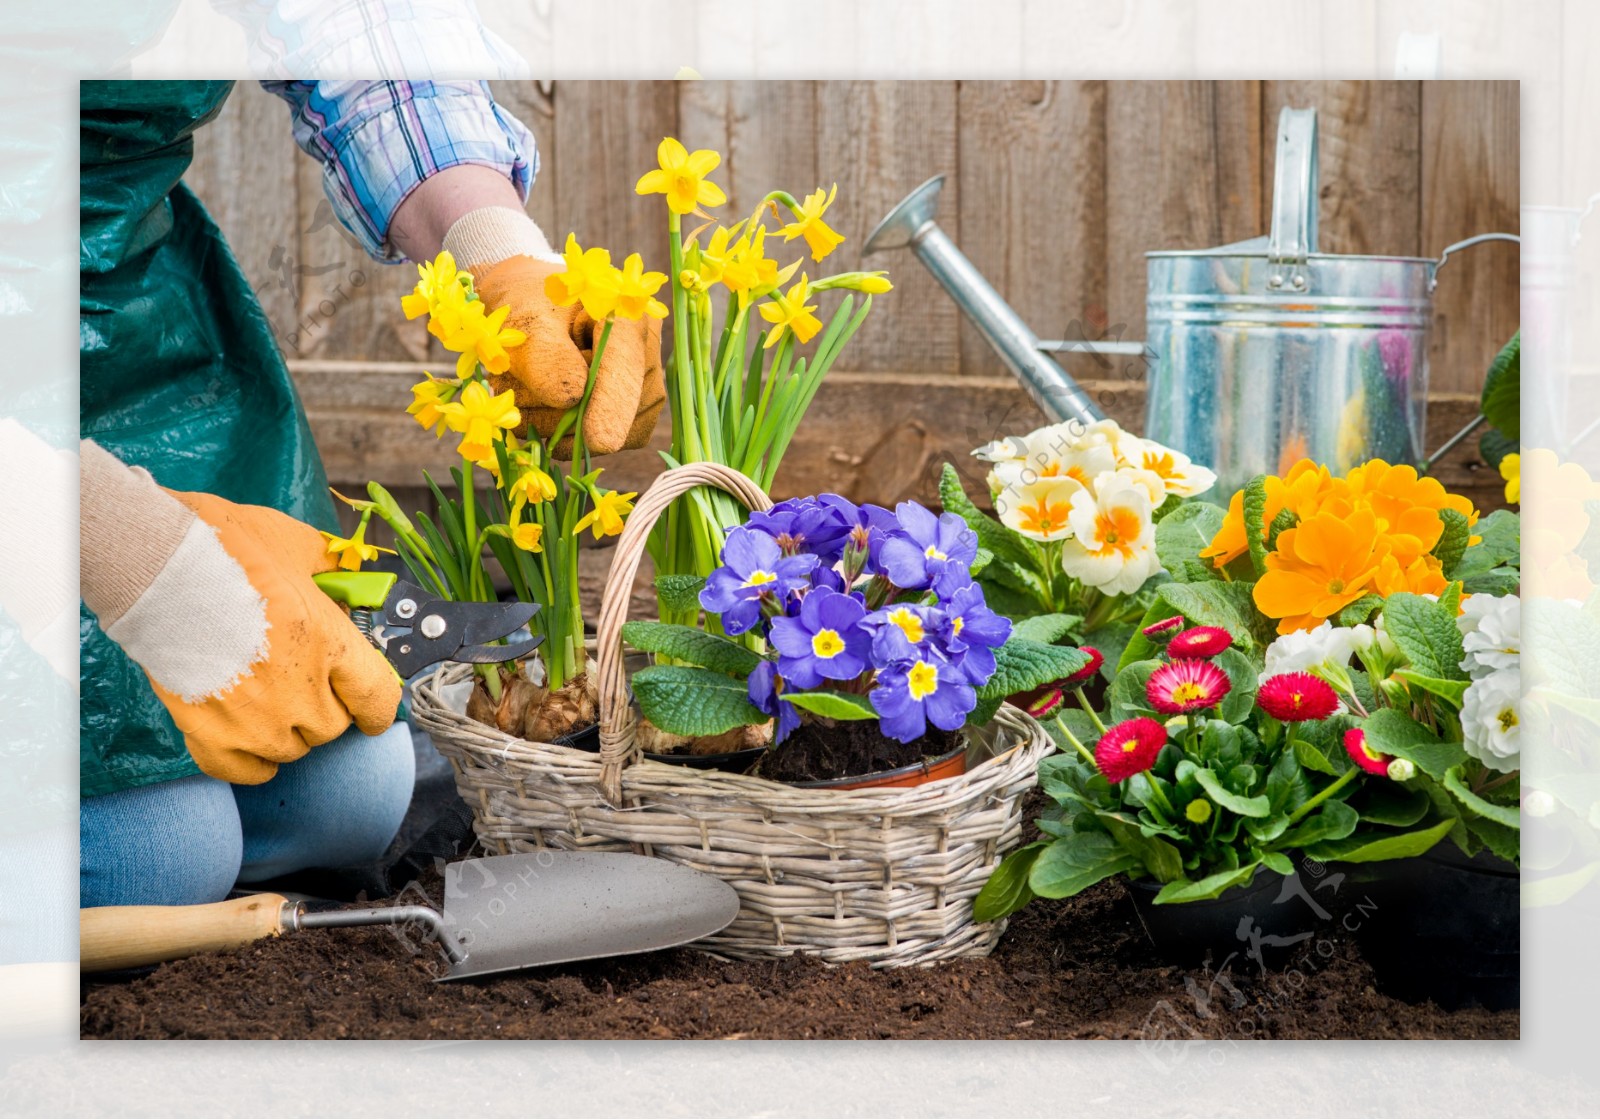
(174, 843)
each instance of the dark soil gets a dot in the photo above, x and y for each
(820, 751)
(1079, 968)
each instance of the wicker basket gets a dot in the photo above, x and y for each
(886, 875)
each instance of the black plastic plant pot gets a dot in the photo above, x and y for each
(1445, 928)
(1249, 928)
(736, 762)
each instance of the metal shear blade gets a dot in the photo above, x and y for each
(419, 630)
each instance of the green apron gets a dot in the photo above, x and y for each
(179, 373)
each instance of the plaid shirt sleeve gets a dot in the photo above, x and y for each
(377, 141)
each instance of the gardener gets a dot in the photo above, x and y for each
(218, 685)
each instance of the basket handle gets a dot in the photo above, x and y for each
(616, 709)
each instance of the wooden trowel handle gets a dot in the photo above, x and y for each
(111, 937)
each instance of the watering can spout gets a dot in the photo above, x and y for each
(911, 225)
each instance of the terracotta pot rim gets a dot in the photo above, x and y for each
(925, 767)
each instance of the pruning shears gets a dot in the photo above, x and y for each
(415, 629)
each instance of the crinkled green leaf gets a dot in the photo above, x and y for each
(1021, 665)
(679, 593)
(1046, 628)
(1181, 536)
(1452, 544)
(1502, 841)
(1390, 731)
(684, 700)
(1007, 890)
(1354, 614)
(1255, 516)
(1073, 863)
(1228, 605)
(1002, 543)
(1426, 633)
(685, 643)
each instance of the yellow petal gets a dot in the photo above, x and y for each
(671, 154)
(652, 182)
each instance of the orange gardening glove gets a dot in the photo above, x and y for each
(548, 371)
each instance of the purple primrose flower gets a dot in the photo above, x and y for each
(826, 642)
(972, 632)
(814, 525)
(753, 567)
(765, 689)
(929, 551)
(911, 695)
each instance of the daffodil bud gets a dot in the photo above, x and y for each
(872, 283)
(389, 509)
(1402, 770)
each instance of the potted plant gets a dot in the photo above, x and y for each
(1080, 509)
(876, 647)
(510, 497)
(1358, 746)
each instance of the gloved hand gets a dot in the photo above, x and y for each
(215, 602)
(509, 260)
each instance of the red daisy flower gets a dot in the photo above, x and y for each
(1200, 641)
(1186, 686)
(1296, 697)
(1161, 631)
(1355, 741)
(1129, 748)
(1086, 674)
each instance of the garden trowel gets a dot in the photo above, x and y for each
(500, 913)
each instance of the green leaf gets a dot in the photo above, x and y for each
(1071, 864)
(1228, 605)
(980, 560)
(1334, 821)
(833, 705)
(1496, 581)
(1393, 804)
(1426, 633)
(1494, 445)
(1255, 516)
(1453, 691)
(1181, 536)
(1046, 628)
(1007, 890)
(1021, 665)
(1452, 544)
(1506, 815)
(1312, 758)
(1277, 861)
(1077, 721)
(1390, 731)
(1499, 544)
(1502, 841)
(1502, 389)
(986, 707)
(1183, 890)
(1359, 611)
(679, 593)
(1002, 543)
(685, 643)
(1126, 698)
(1288, 788)
(1158, 857)
(1371, 847)
(1283, 522)
(684, 700)
(1257, 806)
(1243, 679)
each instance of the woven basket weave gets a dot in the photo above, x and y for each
(882, 875)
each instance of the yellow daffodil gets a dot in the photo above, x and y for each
(1511, 471)
(706, 265)
(478, 336)
(789, 311)
(606, 516)
(440, 280)
(682, 178)
(589, 279)
(533, 485)
(872, 283)
(479, 417)
(820, 239)
(749, 272)
(352, 550)
(527, 536)
(636, 290)
(427, 405)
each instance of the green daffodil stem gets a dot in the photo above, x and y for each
(469, 514)
(1083, 702)
(1073, 739)
(580, 451)
(1333, 787)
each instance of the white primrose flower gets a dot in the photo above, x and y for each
(1113, 547)
(1178, 473)
(1148, 481)
(1491, 722)
(1039, 509)
(1055, 452)
(1323, 648)
(998, 451)
(1491, 632)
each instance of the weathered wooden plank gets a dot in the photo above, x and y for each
(879, 140)
(1182, 172)
(1032, 200)
(766, 132)
(1470, 184)
(1369, 138)
(873, 436)
(532, 104)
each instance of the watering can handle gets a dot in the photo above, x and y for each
(1433, 281)
(1294, 201)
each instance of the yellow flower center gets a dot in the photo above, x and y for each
(827, 643)
(1369, 752)
(955, 626)
(1130, 744)
(1116, 530)
(933, 553)
(1507, 718)
(910, 625)
(1188, 691)
(758, 578)
(923, 680)
(1336, 587)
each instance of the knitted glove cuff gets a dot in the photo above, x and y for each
(491, 234)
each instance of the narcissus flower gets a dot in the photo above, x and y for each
(1113, 548)
(439, 280)
(606, 516)
(681, 176)
(477, 336)
(826, 641)
(1511, 471)
(1199, 641)
(1355, 743)
(636, 290)
(911, 695)
(527, 536)
(820, 239)
(352, 550)
(1086, 674)
(1041, 509)
(789, 311)
(427, 404)
(589, 279)
(479, 417)
(1179, 687)
(747, 270)
(533, 486)
(1297, 697)
(1129, 748)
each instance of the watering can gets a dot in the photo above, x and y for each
(1260, 353)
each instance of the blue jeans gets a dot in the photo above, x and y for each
(189, 841)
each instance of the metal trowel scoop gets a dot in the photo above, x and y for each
(500, 913)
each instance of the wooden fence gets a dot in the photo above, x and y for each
(1054, 189)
